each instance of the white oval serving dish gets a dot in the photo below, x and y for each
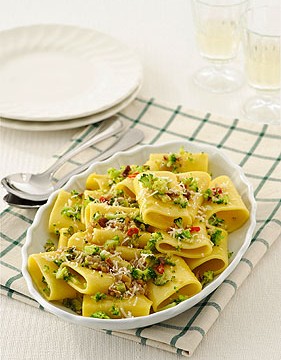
(239, 241)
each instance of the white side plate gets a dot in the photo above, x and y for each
(57, 72)
(68, 124)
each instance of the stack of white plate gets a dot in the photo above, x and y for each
(55, 77)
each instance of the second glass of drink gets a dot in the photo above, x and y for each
(262, 63)
(218, 35)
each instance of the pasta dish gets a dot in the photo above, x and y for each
(140, 238)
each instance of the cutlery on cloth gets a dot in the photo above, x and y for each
(15, 201)
(126, 140)
(28, 183)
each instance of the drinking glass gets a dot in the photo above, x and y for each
(218, 37)
(261, 40)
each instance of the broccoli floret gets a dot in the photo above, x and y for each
(216, 221)
(229, 254)
(156, 236)
(161, 280)
(178, 222)
(207, 277)
(73, 304)
(175, 302)
(160, 185)
(146, 180)
(115, 310)
(115, 175)
(216, 237)
(92, 249)
(181, 201)
(49, 246)
(193, 184)
(112, 243)
(145, 275)
(183, 235)
(63, 274)
(208, 194)
(98, 296)
(100, 315)
(73, 212)
(156, 184)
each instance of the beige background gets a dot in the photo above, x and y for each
(161, 31)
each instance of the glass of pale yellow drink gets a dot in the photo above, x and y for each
(261, 40)
(218, 37)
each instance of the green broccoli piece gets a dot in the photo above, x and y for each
(207, 277)
(100, 315)
(98, 296)
(216, 237)
(145, 275)
(92, 249)
(63, 274)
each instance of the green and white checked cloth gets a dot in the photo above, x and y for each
(255, 147)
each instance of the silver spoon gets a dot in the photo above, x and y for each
(125, 141)
(14, 200)
(27, 183)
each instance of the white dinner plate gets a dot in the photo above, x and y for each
(68, 124)
(238, 240)
(59, 72)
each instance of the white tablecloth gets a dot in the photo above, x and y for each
(161, 31)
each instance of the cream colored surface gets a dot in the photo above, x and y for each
(161, 31)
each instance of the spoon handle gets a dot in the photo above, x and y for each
(106, 129)
(125, 141)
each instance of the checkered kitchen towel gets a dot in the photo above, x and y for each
(256, 147)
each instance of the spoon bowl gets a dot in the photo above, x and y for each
(15, 201)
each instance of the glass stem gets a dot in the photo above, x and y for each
(266, 96)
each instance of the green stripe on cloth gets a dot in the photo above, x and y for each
(260, 161)
(229, 132)
(188, 325)
(254, 146)
(164, 128)
(200, 126)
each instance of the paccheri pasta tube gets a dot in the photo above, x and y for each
(139, 239)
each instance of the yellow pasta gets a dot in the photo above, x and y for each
(225, 203)
(84, 280)
(178, 162)
(139, 239)
(216, 261)
(97, 182)
(93, 210)
(127, 185)
(138, 305)
(192, 242)
(156, 206)
(66, 212)
(43, 272)
(64, 236)
(79, 239)
(178, 281)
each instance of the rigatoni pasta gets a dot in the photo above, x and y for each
(138, 239)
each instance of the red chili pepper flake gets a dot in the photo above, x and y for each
(160, 268)
(133, 175)
(103, 199)
(194, 229)
(217, 190)
(132, 231)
